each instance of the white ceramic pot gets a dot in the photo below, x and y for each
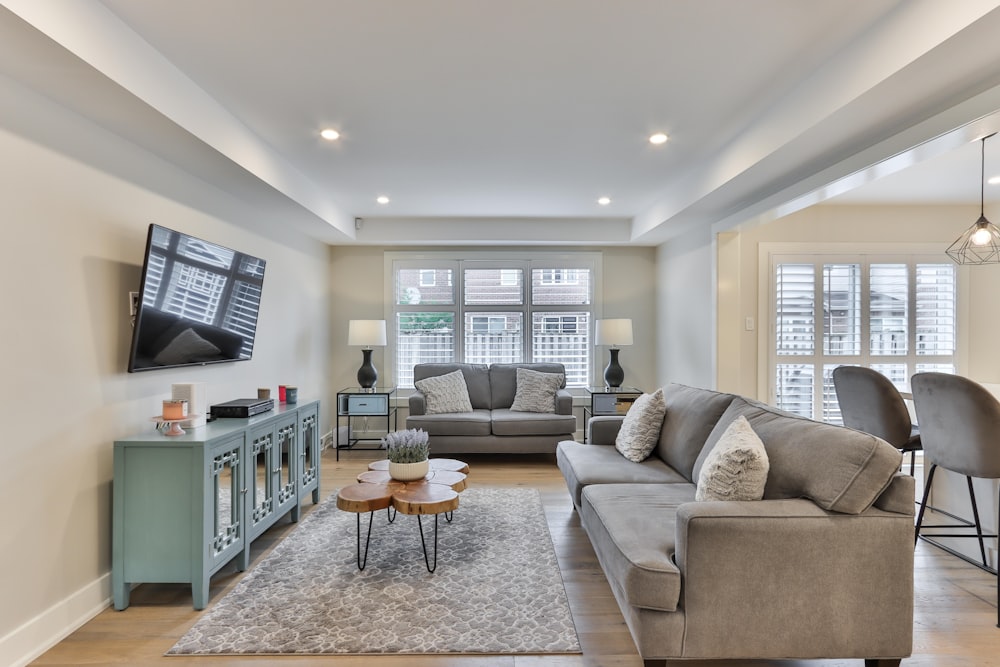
(409, 472)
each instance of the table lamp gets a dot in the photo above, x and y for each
(366, 334)
(614, 333)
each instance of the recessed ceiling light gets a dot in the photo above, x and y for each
(658, 138)
(382, 199)
(604, 201)
(330, 134)
(994, 180)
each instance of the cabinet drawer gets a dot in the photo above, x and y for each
(364, 405)
(613, 404)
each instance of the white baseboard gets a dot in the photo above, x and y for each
(39, 634)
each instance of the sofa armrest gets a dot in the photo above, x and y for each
(796, 578)
(418, 403)
(564, 402)
(604, 430)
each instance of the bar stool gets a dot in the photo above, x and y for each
(960, 431)
(870, 402)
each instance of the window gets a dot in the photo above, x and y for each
(494, 310)
(558, 276)
(427, 277)
(895, 314)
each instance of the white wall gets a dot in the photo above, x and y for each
(74, 234)
(685, 301)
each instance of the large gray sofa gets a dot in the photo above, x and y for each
(492, 427)
(822, 567)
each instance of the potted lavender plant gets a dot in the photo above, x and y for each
(408, 453)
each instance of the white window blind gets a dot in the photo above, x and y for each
(897, 315)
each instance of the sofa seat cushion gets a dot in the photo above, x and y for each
(840, 469)
(583, 465)
(472, 423)
(512, 422)
(632, 530)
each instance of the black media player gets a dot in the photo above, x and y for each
(242, 407)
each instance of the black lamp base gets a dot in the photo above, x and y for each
(367, 375)
(614, 375)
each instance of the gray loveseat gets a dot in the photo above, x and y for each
(822, 567)
(492, 427)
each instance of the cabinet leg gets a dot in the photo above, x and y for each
(121, 594)
(199, 594)
(316, 495)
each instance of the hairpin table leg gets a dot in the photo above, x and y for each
(364, 561)
(430, 568)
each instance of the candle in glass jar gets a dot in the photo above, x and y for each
(175, 408)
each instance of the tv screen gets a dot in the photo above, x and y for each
(198, 303)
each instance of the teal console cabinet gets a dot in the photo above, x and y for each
(184, 506)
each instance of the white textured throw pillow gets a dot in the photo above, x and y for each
(536, 391)
(736, 468)
(640, 430)
(445, 393)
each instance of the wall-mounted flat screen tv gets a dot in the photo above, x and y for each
(198, 303)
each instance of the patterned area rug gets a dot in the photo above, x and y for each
(497, 588)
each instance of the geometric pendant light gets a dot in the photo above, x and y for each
(980, 243)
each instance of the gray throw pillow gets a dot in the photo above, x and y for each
(536, 391)
(640, 430)
(445, 393)
(736, 468)
(185, 347)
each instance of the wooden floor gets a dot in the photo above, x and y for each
(955, 620)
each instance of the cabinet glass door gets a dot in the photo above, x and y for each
(262, 479)
(310, 445)
(286, 470)
(226, 475)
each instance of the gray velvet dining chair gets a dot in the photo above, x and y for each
(870, 402)
(960, 430)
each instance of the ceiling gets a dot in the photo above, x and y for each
(489, 123)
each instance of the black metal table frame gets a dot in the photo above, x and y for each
(391, 516)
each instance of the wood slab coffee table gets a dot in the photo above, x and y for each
(437, 493)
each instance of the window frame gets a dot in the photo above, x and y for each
(771, 254)
(502, 260)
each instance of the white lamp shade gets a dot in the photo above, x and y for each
(366, 333)
(615, 333)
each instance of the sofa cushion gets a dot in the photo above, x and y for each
(503, 380)
(691, 415)
(840, 469)
(536, 391)
(477, 380)
(736, 467)
(445, 393)
(472, 423)
(640, 429)
(509, 422)
(631, 528)
(583, 464)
